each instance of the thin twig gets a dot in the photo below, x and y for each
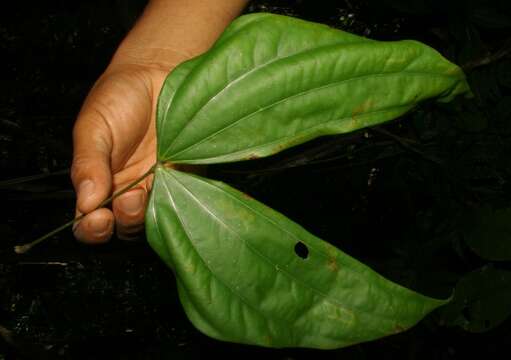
(6, 334)
(503, 52)
(24, 179)
(21, 249)
(59, 263)
(406, 143)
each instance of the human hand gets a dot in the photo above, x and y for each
(115, 136)
(114, 144)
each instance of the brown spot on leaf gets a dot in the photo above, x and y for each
(398, 329)
(267, 340)
(246, 196)
(252, 157)
(361, 109)
(332, 264)
(168, 165)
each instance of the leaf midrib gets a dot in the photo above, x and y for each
(299, 94)
(249, 72)
(282, 270)
(237, 294)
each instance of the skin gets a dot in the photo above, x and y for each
(114, 136)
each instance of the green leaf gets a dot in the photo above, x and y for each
(245, 273)
(488, 233)
(248, 274)
(272, 82)
(481, 302)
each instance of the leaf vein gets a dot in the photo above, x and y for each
(241, 297)
(325, 296)
(244, 75)
(296, 95)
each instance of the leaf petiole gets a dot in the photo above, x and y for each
(21, 249)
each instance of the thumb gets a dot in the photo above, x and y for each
(90, 171)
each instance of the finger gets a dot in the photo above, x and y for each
(129, 209)
(90, 171)
(96, 227)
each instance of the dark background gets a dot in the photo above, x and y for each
(424, 200)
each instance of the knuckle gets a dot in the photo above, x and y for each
(78, 168)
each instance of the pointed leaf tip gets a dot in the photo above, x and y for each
(248, 274)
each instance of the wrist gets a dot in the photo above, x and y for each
(172, 31)
(143, 56)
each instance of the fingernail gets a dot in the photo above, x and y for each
(132, 202)
(86, 188)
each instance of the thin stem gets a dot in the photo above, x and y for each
(407, 144)
(21, 249)
(504, 51)
(24, 179)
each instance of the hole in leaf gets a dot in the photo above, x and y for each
(301, 250)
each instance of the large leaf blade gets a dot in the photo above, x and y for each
(272, 82)
(238, 39)
(241, 280)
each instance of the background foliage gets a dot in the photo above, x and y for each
(425, 200)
